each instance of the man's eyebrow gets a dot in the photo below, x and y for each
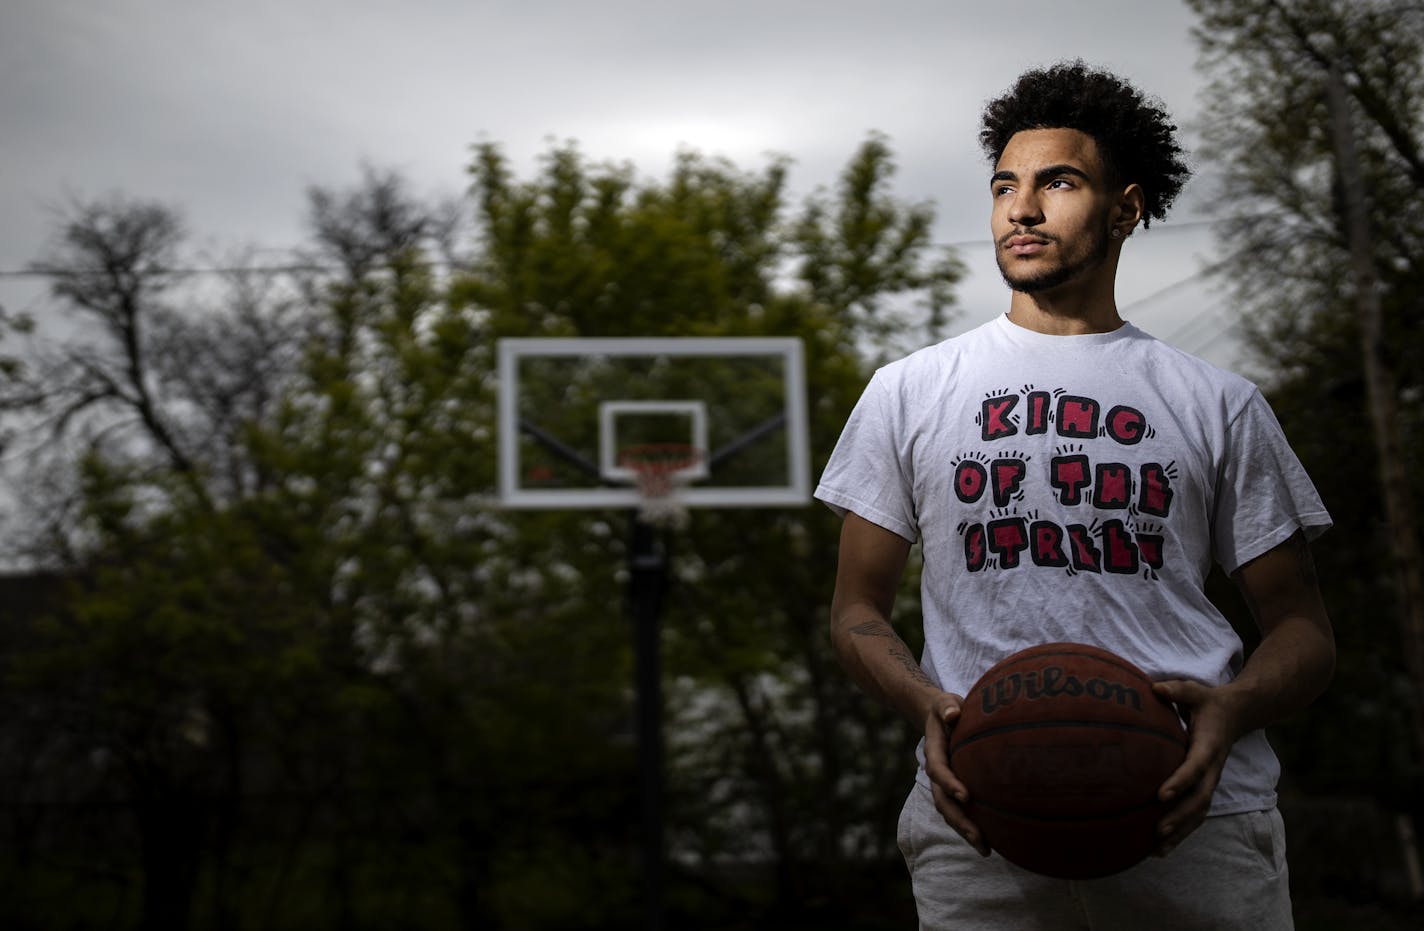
(1043, 175)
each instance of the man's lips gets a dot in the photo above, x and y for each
(1021, 244)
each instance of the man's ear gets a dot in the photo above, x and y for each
(1127, 212)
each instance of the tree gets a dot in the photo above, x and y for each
(386, 444)
(327, 682)
(244, 539)
(791, 765)
(1286, 225)
(145, 407)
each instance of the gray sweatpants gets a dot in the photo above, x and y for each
(1228, 874)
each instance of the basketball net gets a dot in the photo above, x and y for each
(660, 472)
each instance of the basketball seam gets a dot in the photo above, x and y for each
(955, 747)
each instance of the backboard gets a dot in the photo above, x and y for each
(572, 410)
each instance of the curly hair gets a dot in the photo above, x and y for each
(1134, 134)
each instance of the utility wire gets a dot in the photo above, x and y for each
(1193, 278)
(294, 267)
(1143, 303)
(291, 268)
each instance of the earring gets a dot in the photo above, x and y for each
(1116, 233)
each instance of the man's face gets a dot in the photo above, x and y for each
(1051, 209)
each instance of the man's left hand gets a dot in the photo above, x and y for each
(1212, 729)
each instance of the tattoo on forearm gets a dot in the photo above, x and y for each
(911, 665)
(873, 629)
(898, 651)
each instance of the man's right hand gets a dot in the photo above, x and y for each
(872, 560)
(949, 793)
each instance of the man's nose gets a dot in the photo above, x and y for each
(1025, 209)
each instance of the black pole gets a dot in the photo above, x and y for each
(647, 579)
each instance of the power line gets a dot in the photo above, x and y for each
(316, 267)
(290, 268)
(295, 267)
(1201, 347)
(1180, 283)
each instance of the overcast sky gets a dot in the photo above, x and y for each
(231, 110)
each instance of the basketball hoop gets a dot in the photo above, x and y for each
(659, 470)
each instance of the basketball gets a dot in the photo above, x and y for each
(1063, 748)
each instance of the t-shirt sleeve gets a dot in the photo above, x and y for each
(866, 474)
(1264, 494)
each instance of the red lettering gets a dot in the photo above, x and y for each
(1008, 477)
(1149, 547)
(1157, 494)
(970, 479)
(1119, 552)
(1007, 539)
(995, 416)
(1077, 417)
(975, 554)
(1113, 487)
(1069, 474)
(1038, 402)
(1086, 557)
(1047, 549)
(1126, 425)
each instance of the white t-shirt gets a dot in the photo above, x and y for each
(1076, 488)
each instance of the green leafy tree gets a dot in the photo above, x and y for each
(775, 757)
(319, 680)
(1284, 224)
(499, 769)
(151, 677)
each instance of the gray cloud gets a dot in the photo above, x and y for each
(230, 110)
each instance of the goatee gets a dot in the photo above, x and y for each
(1049, 278)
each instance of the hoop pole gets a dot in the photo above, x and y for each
(647, 580)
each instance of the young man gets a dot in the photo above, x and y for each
(1070, 478)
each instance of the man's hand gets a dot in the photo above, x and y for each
(871, 561)
(949, 793)
(1212, 727)
(1287, 670)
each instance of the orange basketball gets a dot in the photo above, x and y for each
(1063, 748)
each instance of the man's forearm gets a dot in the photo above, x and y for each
(1288, 670)
(882, 665)
(1296, 657)
(872, 560)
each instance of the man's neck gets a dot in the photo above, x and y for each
(1066, 311)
